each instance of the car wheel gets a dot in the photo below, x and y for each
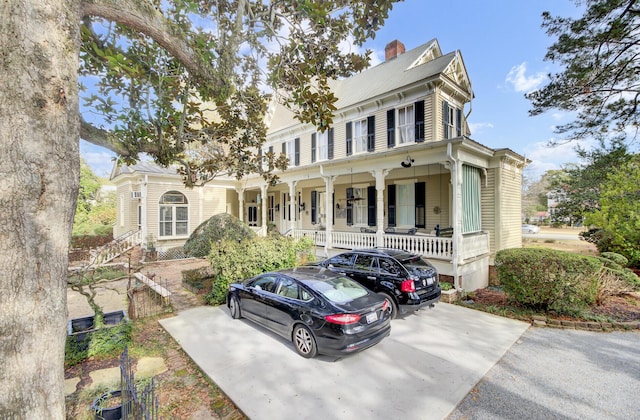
(304, 342)
(234, 307)
(393, 308)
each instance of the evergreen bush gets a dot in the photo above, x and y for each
(547, 279)
(233, 261)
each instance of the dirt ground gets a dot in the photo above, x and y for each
(112, 296)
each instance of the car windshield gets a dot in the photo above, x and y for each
(338, 289)
(418, 266)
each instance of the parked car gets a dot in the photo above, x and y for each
(319, 310)
(530, 229)
(406, 280)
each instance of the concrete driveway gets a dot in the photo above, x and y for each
(427, 365)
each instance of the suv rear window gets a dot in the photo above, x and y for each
(418, 266)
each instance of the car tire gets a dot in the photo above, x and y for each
(234, 307)
(304, 342)
(393, 308)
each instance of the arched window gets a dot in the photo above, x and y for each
(174, 214)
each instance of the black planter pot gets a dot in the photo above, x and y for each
(80, 328)
(114, 412)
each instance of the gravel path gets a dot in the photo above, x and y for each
(560, 374)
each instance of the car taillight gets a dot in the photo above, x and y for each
(385, 305)
(343, 319)
(408, 286)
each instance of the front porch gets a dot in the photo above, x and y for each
(466, 260)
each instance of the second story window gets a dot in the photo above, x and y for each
(291, 149)
(361, 136)
(322, 146)
(406, 124)
(451, 121)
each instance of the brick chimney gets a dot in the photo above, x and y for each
(393, 49)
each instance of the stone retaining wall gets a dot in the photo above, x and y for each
(543, 321)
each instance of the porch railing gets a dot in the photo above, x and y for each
(428, 246)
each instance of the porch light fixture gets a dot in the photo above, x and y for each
(407, 162)
(302, 206)
(277, 207)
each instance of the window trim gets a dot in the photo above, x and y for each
(174, 206)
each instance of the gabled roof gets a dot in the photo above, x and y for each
(422, 63)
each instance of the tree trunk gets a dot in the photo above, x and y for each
(39, 171)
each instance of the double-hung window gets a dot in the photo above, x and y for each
(451, 120)
(406, 124)
(174, 215)
(360, 136)
(291, 149)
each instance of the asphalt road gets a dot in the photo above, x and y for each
(560, 374)
(573, 236)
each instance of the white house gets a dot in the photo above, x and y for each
(397, 169)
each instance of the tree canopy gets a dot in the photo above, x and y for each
(578, 187)
(619, 212)
(599, 55)
(190, 81)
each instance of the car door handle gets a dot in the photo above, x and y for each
(371, 277)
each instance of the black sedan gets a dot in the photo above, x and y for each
(318, 310)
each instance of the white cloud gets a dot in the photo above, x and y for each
(479, 127)
(99, 160)
(547, 156)
(521, 82)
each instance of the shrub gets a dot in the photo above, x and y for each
(548, 279)
(233, 260)
(621, 260)
(215, 229)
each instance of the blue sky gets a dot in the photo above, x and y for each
(503, 46)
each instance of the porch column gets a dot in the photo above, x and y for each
(292, 205)
(455, 166)
(264, 202)
(380, 175)
(328, 182)
(240, 192)
(144, 235)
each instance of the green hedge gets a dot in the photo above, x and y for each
(233, 261)
(548, 279)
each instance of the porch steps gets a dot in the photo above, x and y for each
(115, 248)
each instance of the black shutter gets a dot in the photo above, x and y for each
(297, 152)
(314, 205)
(333, 206)
(391, 205)
(371, 133)
(419, 119)
(391, 128)
(270, 149)
(459, 122)
(313, 147)
(349, 140)
(371, 206)
(420, 204)
(349, 206)
(330, 144)
(445, 119)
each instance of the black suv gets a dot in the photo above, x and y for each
(407, 280)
